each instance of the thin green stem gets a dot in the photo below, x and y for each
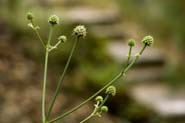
(45, 78)
(87, 118)
(38, 34)
(122, 73)
(62, 77)
(135, 60)
(87, 100)
(128, 57)
(44, 86)
(105, 99)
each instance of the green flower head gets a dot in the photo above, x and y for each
(80, 31)
(62, 38)
(131, 42)
(104, 109)
(30, 16)
(111, 90)
(99, 99)
(148, 40)
(53, 20)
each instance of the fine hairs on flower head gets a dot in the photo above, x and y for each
(80, 31)
(53, 20)
(148, 40)
(111, 90)
(62, 38)
(99, 99)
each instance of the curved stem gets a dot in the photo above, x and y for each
(122, 73)
(62, 77)
(45, 78)
(87, 118)
(87, 100)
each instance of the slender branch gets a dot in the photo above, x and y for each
(87, 118)
(38, 34)
(62, 77)
(45, 78)
(90, 98)
(128, 57)
(105, 99)
(135, 60)
(122, 73)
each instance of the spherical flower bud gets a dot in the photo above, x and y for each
(104, 109)
(148, 40)
(30, 16)
(62, 38)
(111, 90)
(53, 19)
(80, 31)
(131, 42)
(99, 99)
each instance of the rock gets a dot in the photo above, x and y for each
(143, 74)
(119, 50)
(160, 98)
(87, 15)
(108, 31)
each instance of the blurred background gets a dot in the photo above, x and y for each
(152, 91)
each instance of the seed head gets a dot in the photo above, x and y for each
(53, 20)
(80, 31)
(111, 90)
(99, 99)
(62, 38)
(131, 42)
(30, 16)
(104, 109)
(148, 40)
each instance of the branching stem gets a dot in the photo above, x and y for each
(122, 73)
(62, 77)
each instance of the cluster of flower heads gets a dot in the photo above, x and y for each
(100, 101)
(79, 31)
(147, 40)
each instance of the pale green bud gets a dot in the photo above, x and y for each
(104, 109)
(30, 16)
(111, 90)
(53, 20)
(131, 42)
(62, 38)
(148, 40)
(99, 99)
(80, 31)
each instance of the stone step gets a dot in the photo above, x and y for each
(119, 50)
(146, 74)
(90, 15)
(108, 31)
(164, 100)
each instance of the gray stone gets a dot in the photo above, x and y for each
(119, 50)
(108, 31)
(159, 97)
(87, 15)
